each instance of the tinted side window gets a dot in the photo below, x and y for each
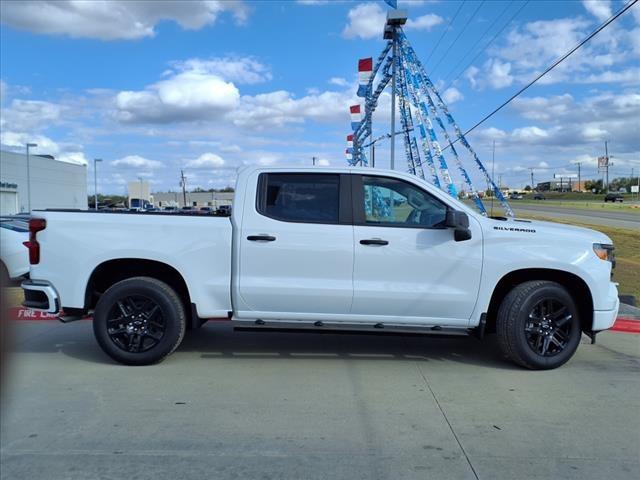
(393, 202)
(303, 197)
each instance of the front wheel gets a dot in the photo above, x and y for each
(139, 321)
(538, 325)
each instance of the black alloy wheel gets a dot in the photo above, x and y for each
(549, 327)
(538, 325)
(135, 324)
(139, 321)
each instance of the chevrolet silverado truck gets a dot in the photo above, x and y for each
(337, 249)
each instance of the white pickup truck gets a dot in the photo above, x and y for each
(325, 249)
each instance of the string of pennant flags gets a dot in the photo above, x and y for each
(423, 113)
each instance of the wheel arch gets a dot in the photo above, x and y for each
(576, 286)
(113, 271)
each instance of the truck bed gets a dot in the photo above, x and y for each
(198, 247)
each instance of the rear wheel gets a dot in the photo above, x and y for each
(139, 321)
(538, 325)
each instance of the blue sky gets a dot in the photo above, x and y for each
(208, 86)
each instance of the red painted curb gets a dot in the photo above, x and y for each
(623, 324)
(626, 325)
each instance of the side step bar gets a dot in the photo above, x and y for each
(348, 328)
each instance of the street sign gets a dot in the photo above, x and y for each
(603, 162)
(634, 188)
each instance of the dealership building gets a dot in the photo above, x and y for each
(48, 183)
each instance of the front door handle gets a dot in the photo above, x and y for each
(261, 238)
(374, 241)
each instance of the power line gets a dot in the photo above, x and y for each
(477, 42)
(488, 44)
(554, 65)
(445, 31)
(458, 37)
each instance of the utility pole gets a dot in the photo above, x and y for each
(579, 184)
(95, 181)
(606, 170)
(183, 184)
(373, 155)
(313, 160)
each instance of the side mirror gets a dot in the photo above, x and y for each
(459, 221)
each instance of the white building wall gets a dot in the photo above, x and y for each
(54, 184)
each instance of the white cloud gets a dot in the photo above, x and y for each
(424, 22)
(114, 19)
(528, 49)
(630, 76)
(471, 74)
(136, 161)
(601, 9)
(499, 73)
(276, 109)
(29, 114)
(65, 152)
(543, 108)
(186, 95)
(452, 95)
(206, 160)
(366, 20)
(339, 81)
(239, 70)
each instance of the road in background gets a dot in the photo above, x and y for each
(594, 216)
(291, 406)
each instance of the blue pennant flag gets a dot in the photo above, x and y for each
(392, 3)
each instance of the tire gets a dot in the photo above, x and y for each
(538, 325)
(139, 321)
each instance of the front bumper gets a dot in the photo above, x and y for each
(40, 295)
(604, 319)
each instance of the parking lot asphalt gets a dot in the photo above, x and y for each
(239, 405)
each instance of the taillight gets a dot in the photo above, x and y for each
(35, 225)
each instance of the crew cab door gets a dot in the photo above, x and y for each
(407, 266)
(296, 247)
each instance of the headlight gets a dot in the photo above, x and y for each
(605, 252)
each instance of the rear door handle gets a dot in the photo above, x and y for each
(374, 241)
(261, 238)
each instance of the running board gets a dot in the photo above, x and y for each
(348, 328)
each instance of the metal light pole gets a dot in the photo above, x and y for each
(95, 182)
(393, 101)
(29, 176)
(395, 18)
(140, 204)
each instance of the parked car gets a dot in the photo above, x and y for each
(539, 196)
(515, 196)
(224, 210)
(14, 256)
(314, 251)
(613, 197)
(207, 210)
